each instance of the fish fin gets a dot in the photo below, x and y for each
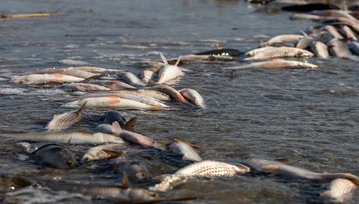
(131, 124)
(164, 59)
(113, 153)
(125, 182)
(304, 34)
(178, 60)
(69, 142)
(271, 168)
(218, 46)
(157, 108)
(79, 111)
(54, 116)
(326, 194)
(116, 128)
(192, 145)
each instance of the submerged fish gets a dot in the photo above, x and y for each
(65, 120)
(205, 168)
(56, 155)
(276, 64)
(279, 168)
(136, 170)
(102, 152)
(169, 72)
(185, 150)
(340, 190)
(67, 137)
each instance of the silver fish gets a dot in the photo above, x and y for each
(56, 156)
(84, 87)
(185, 150)
(193, 96)
(280, 52)
(276, 64)
(118, 85)
(65, 120)
(147, 75)
(205, 168)
(347, 33)
(45, 78)
(304, 42)
(169, 72)
(173, 93)
(191, 58)
(282, 169)
(338, 48)
(130, 78)
(333, 31)
(282, 39)
(340, 190)
(69, 71)
(102, 152)
(67, 137)
(320, 50)
(115, 102)
(95, 69)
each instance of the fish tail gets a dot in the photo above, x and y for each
(116, 128)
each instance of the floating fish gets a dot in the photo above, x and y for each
(169, 72)
(118, 85)
(45, 78)
(56, 155)
(66, 137)
(185, 150)
(282, 39)
(102, 152)
(107, 128)
(69, 71)
(280, 52)
(340, 190)
(205, 168)
(173, 93)
(193, 96)
(279, 168)
(276, 64)
(320, 50)
(130, 78)
(147, 75)
(115, 102)
(65, 120)
(221, 51)
(84, 87)
(112, 116)
(95, 69)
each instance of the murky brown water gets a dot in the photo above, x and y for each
(308, 117)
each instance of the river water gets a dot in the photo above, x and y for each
(307, 118)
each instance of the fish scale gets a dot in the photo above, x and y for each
(65, 120)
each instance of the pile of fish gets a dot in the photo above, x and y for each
(115, 140)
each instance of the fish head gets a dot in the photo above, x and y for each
(241, 169)
(87, 158)
(112, 116)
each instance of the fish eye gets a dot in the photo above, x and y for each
(87, 159)
(70, 163)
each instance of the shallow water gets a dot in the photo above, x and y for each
(307, 117)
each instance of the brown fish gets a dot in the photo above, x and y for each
(56, 155)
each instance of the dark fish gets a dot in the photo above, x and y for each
(221, 51)
(310, 7)
(56, 155)
(135, 170)
(112, 116)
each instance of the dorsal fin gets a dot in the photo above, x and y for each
(218, 46)
(304, 34)
(164, 59)
(178, 60)
(68, 142)
(192, 145)
(78, 112)
(131, 124)
(125, 183)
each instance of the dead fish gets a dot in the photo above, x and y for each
(95, 69)
(173, 93)
(305, 42)
(253, 52)
(310, 7)
(44, 78)
(147, 75)
(280, 52)
(112, 116)
(333, 31)
(340, 190)
(184, 149)
(354, 47)
(65, 120)
(205, 168)
(279, 168)
(66, 137)
(193, 96)
(130, 78)
(320, 50)
(142, 98)
(282, 39)
(84, 87)
(276, 64)
(118, 85)
(69, 71)
(191, 58)
(136, 170)
(168, 72)
(221, 51)
(107, 128)
(56, 155)
(115, 102)
(338, 48)
(102, 152)
(133, 137)
(348, 33)
(305, 16)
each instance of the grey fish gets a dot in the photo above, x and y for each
(130, 78)
(304, 42)
(276, 64)
(102, 152)
(129, 125)
(340, 190)
(193, 96)
(279, 168)
(168, 72)
(65, 120)
(184, 149)
(67, 137)
(338, 48)
(280, 52)
(112, 116)
(84, 87)
(69, 71)
(347, 33)
(118, 85)
(205, 168)
(333, 31)
(173, 93)
(282, 39)
(136, 171)
(95, 69)
(320, 50)
(56, 156)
